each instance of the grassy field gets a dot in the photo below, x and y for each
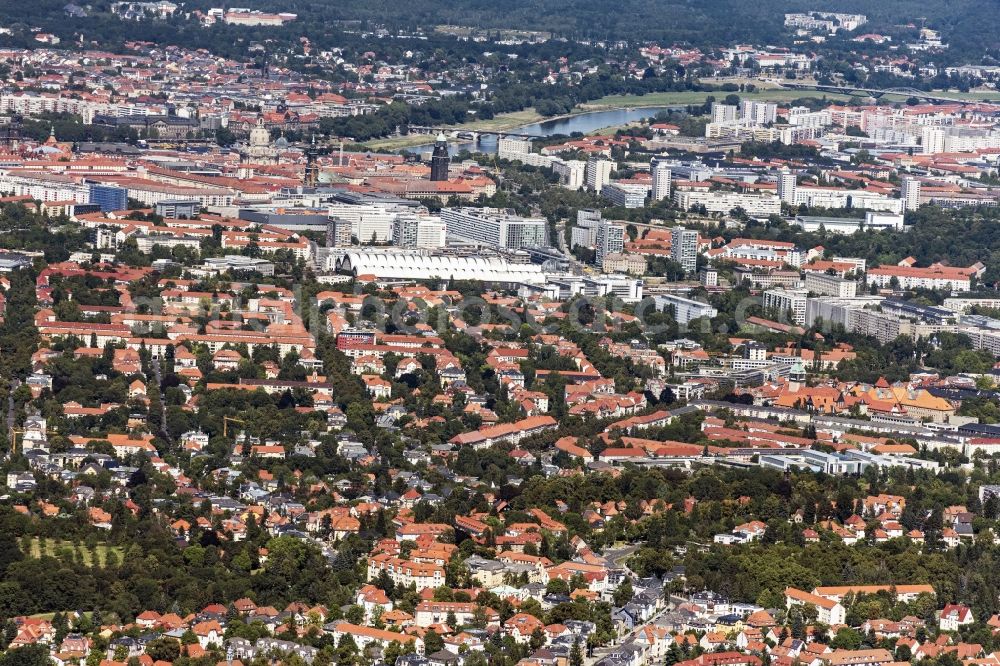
(49, 616)
(991, 95)
(693, 97)
(91, 556)
(502, 121)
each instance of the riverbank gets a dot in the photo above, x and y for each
(518, 120)
(500, 122)
(527, 121)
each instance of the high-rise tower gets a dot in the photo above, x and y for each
(440, 159)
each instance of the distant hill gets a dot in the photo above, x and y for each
(971, 27)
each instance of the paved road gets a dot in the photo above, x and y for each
(163, 403)
(601, 652)
(619, 556)
(578, 267)
(14, 383)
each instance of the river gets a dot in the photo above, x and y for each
(582, 122)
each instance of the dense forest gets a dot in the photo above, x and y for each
(971, 26)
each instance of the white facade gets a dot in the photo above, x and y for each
(684, 249)
(685, 310)
(610, 240)
(661, 179)
(495, 227)
(830, 285)
(723, 202)
(883, 277)
(932, 140)
(571, 173)
(850, 225)
(598, 173)
(584, 233)
(910, 193)
(373, 228)
(32, 105)
(820, 197)
(150, 194)
(417, 265)
(420, 232)
(758, 113)
(626, 195)
(786, 187)
(788, 300)
(724, 113)
(512, 148)
(44, 187)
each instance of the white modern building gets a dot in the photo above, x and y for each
(625, 195)
(724, 113)
(758, 113)
(684, 249)
(512, 148)
(849, 225)
(598, 172)
(684, 310)
(517, 149)
(418, 265)
(413, 231)
(369, 222)
(792, 301)
(758, 205)
(661, 173)
(786, 187)
(832, 197)
(830, 285)
(910, 193)
(610, 239)
(495, 227)
(584, 233)
(572, 173)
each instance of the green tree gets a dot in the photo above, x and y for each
(624, 593)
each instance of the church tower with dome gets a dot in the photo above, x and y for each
(259, 149)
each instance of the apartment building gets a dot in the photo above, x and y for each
(598, 173)
(406, 572)
(625, 195)
(790, 301)
(412, 231)
(830, 285)
(610, 239)
(684, 248)
(829, 612)
(661, 173)
(758, 205)
(495, 227)
(684, 310)
(364, 636)
(936, 276)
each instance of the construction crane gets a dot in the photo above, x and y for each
(13, 440)
(226, 420)
(497, 173)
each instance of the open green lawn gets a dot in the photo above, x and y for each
(90, 556)
(991, 95)
(49, 616)
(770, 95)
(693, 97)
